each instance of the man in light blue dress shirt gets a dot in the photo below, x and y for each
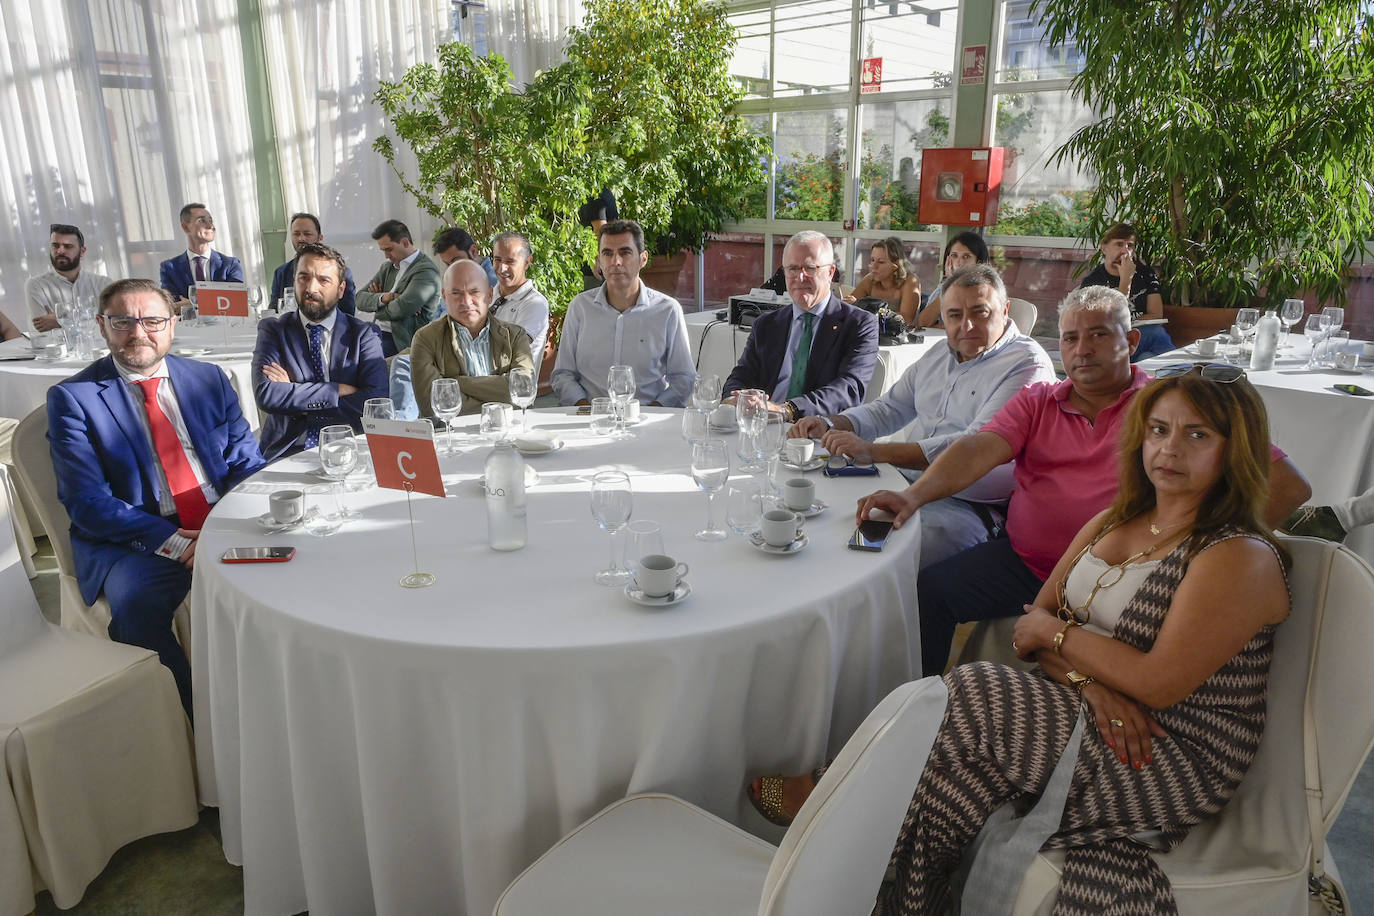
(624, 323)
(949, 392)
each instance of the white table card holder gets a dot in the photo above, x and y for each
(404, 458)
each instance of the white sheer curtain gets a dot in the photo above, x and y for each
(114, 113)
(530, 34)
(324, 62)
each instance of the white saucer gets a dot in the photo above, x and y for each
(717, 427)
(815, 462)
(633, 592)
(758, 543)
(266, 524)
(555, 445)
(812, 510)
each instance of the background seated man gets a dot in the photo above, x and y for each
(1064, 438)
(404, 292)
(199, 263)
(468, 344)
(315, 366)
(518, 301)
(305, 230)
(949, 392)
(456, 243)
(1137, 282)
(51, 295)
(143, 444)
(624, 323)
(817, 356)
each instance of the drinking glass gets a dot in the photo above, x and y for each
(495, 421)
(1289, 315)
(620, 384)
(695, 424)
(255, 296)
(383, 408)
(706, 392)
(612, 504)
(770, 438)
(744, 506)
(1314, 331)
(710, 468)
(338, 456)
(751, 409)
(446, 400)
(644, 539)
(603, 417)
(1335, 343)
(1246, 319)
(523, 388)
(322, 517)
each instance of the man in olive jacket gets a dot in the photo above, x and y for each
(404, 293)
(467, 344)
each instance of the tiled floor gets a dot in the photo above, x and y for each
(185, 872)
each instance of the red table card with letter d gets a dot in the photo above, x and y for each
(222, 300)
(403, 455)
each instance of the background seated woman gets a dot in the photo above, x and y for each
(963, 250)
(891, 277)
(1160, 617)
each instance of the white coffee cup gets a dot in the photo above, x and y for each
(799, 451)
(286, 506)
(780, 527)
(798, 493)
(1207, 347)
(723, 416)
(1369, 349)
(658, 575)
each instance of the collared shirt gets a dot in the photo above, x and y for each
(944, 399)
(328, 324)
(476, 350)
(1066, 466)
(53, 294)
(175, 545)
(528, 308)
(205, 268)
(650, 336)
(401, 269)
(793, 338)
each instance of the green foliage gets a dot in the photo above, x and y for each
(662, 101)
(1045, 217)
(1238, 136)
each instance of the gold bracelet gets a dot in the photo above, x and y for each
(1059, 637)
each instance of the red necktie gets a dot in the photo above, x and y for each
(192, 506)
(200, 269)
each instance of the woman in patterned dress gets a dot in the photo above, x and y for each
(1159, 620)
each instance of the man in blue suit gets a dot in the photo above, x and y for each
(816, 357)
(316, 366)
(305, 230)
(143, 444)
(199, 262)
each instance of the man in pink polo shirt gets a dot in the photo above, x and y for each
(1063, 437)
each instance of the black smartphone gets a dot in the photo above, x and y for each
(1354, 389)
(870, 535)
(257, 554)
(585, 410)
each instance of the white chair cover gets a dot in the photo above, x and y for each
(1024, 313)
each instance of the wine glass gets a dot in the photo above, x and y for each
(1336, 316)
(695, 424)
(603, 417)
(620, 384)
(446, 400)
(710, 468)
(1289, 315)
(1314, 331)
(706, 392)
(255, 295)
(523, 388)
(338, 456)
(744, 506)
(612, 504)
(379, 409)
(1246, 319)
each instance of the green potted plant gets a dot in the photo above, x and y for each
(1238, 138)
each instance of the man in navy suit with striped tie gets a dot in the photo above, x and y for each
(143, 444)
(315, 366)
(199, 263)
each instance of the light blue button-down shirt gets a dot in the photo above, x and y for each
(943, 399)
(476, 350)
(794, 338)
(650, 336)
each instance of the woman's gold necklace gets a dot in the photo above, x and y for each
(1084, 614)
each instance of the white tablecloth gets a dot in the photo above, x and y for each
(717, 346)
(379, 749)
(1328, 434)
(24, 385)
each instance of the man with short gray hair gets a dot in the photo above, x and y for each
(518, 302)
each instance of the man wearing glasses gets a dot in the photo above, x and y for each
(143, 444)
(817, 357)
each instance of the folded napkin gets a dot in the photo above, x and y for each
(537, 441)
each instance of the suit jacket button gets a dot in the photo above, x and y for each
(138, 545)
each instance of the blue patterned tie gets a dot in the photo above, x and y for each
(312, 436)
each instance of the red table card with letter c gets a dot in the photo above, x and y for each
(403, 455)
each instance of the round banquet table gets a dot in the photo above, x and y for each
(24, 384)
(378, 749)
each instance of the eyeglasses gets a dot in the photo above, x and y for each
(811, 270)
(1221, 373)
(152, 323)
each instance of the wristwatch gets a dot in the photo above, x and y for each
(789, 411)
(1078, 681)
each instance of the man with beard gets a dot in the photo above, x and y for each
(305, 230)
(199, 263)
(52, 295)
(317, 366)
(143, 444)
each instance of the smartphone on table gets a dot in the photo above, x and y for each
(257, 554)
(870, 535)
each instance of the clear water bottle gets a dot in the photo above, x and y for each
(505, 483)
(1266, 343)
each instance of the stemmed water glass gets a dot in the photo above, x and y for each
(379, 409)
(1289, 315)
(446, 400)
(706, 392)
(710, 469)
(612, 505)
(1335, 316)
(523, 388)
(620, 384)
(1314, 331)
(338, 456)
